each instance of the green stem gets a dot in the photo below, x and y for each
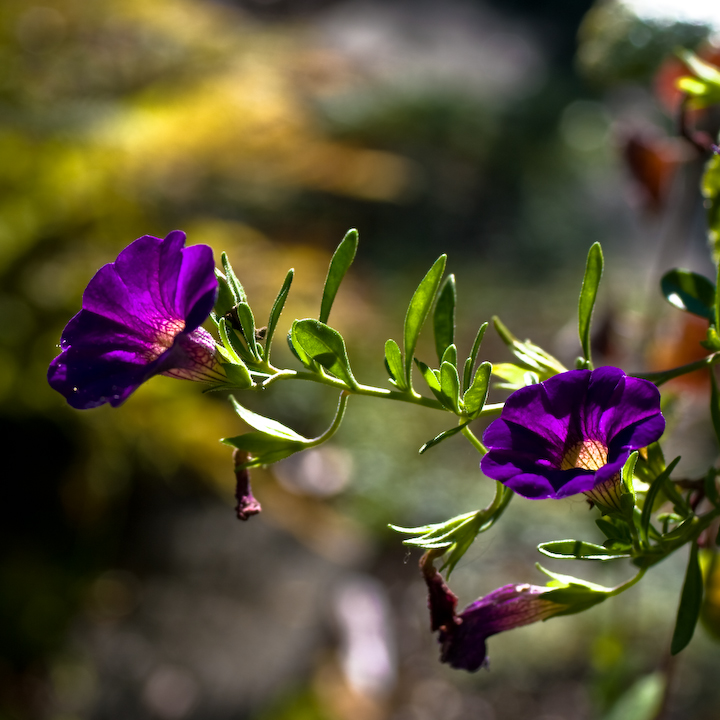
(627, 585)
(662, 377)
(337, 421)
(474, 441)
(369, 391)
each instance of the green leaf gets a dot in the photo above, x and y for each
(433, 382)
(324, 345)
(341, 260)
(450, 355)
(238, 375)
(394, 364)
(444, 317)
(235, 285)
(712, 339)
(715, 405)
(627, 474)
(579, 550)
(442, 436)
(476, 395)
(689, 291)
(472, 358)
(450, 385)
(513, 375)
(529, 356)
(588, 293)
(418, 310)
(655, 488)
(614, 529)
(277, 309)
(711, 489)
(690, 601)
(301, 355)
(232, 343)
(247, 322)
(266, 425)
(225, 300)
(711, 192)
(264, 449)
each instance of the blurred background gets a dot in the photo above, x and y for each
(510, 134)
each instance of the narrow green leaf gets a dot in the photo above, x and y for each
(277, 309)
(324, 345)
(301, 355)
(247, 322)
(263, 449)
(715, 404)
(579, 550)
(588, 293)
(476, 395)
(429, 376)
(627, 474)
(238, 375)
(450, 385)
(444, 316)
(442, 436)
(655, 487)
(341, 260)
(265, 425)
(613, 529)
(450, 355)
(235, 285)
(711, 488)
(717, 304)
(472, 358)
(689, 291)
(225, 299)
(418, 310)
(690, 601)
(233, 343)
(530, 356)
(394, 364)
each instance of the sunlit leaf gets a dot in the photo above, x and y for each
(394, 364)
(324, 345)
(450, 385)
(472, 358)
(588, 294)
(339, 264)
(579, 550)
(444, 317)
(277, 309)
(476, 395)
(266, 425)
(418, 310)
(235, 285)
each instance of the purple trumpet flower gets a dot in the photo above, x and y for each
(462, 637)
(572, 434)
(140, 317)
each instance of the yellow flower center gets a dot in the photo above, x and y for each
(588, 454)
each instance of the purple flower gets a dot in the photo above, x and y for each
(462, 637)
(140, 317)
(572, 434)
